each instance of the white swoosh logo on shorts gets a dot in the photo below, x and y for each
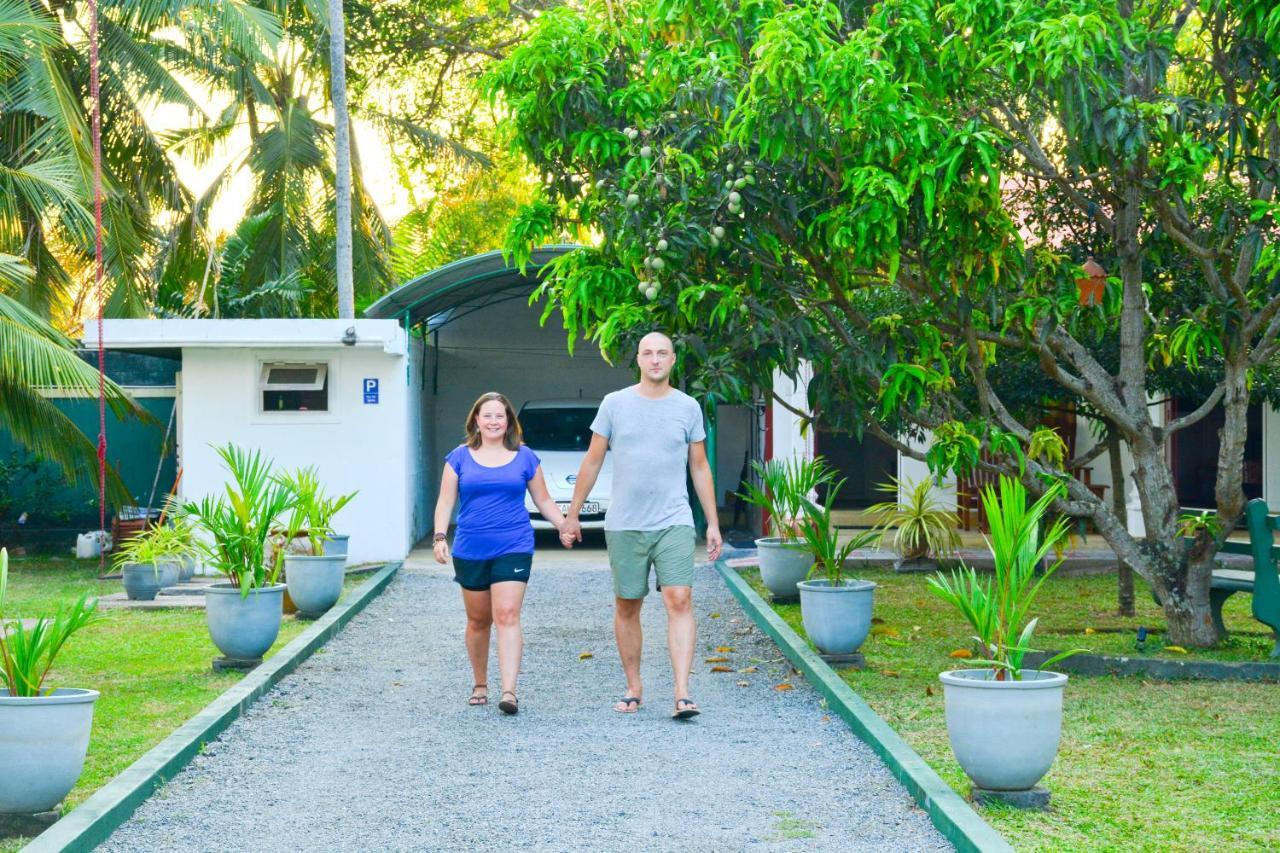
(517, 571)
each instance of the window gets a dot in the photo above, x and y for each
(557, 429)
(294, 387)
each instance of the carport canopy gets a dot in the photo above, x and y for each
(457, 289)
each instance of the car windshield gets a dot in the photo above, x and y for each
(557, 429)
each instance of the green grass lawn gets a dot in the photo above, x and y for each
(151, 667)
(1144, 765)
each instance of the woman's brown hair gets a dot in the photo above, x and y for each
(513, 437)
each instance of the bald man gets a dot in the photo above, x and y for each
(655, 432)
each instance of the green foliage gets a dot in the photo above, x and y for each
(28, 653)
(999, 608)
(785, 489)
(924, 527)
(1193, 525)
(312, 509)
(239, 521)
(822, 538)
(163, 543)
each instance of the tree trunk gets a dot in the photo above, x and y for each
(342, 145)
(1181, 583)
(1124, 592)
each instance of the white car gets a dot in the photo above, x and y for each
(559, 431)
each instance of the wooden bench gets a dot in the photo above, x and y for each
(1263, 582)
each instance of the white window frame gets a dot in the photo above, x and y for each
(325, 371)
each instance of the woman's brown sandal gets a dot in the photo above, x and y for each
(479, 698)
(509, 706)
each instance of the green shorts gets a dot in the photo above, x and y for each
(632, 552)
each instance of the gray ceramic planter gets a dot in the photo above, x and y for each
(783, 565)
(1004, 733)
(43, 741)
(315, 583)
(186, 568)
(836, 618)
(244, 628)
(142, 581)
(335, 546)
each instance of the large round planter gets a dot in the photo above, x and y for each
(43, 740)
(142, 581)
(1004, 733)
(783, 565)
(836, 618)
(186, 568)
(314, 583)
(336, 545)
(243, 627)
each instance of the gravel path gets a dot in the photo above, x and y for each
(370, 744)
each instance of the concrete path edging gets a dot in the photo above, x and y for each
(952, 816)
(93, 821)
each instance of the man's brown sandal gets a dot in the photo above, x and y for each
(479, 698)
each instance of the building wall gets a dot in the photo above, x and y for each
(355, 445)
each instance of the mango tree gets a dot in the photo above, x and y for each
(866, 186)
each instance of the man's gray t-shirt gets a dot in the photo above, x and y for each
(649, 442)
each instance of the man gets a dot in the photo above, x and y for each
(656, 435)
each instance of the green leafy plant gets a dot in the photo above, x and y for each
(1192, 524)
(28, 653)
(785, 486)
(313, 510)
(999, 607)
(239, 521)
(163, 543)
(923, 525)
(823, 539)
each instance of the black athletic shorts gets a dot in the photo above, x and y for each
(478, 575)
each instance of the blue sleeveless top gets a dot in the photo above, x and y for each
(492, 519)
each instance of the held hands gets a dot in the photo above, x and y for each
(570, 532)
(441, 549)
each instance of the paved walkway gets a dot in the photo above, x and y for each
(370, 744)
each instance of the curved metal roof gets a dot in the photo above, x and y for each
(463, 286)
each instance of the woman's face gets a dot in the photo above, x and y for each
(492, 420)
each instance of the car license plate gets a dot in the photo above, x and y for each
(588, 508)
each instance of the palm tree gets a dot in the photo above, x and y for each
(342, 140)
(45, 147)
(34, 355)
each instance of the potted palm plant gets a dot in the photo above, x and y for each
(1005, 721)
(923, 526)
(151, 560)
(44, 732)
(314, 580)
(244, 614)
(835, 609)
(784, 491)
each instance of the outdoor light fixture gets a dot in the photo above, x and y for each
(349, 338)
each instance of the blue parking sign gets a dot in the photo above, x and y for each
(371, 392)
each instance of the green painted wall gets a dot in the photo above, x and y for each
(58, 510)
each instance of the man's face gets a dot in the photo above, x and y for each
(656, 357)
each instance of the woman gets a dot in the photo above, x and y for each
(493, 543)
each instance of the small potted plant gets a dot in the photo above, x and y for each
(150, 561)
(836, 610)
(44, 732)
(314, 580)
(1005, 721)
(244, 614)
(923, 527)
(785, 490)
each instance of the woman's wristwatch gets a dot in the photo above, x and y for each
(439, 537)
